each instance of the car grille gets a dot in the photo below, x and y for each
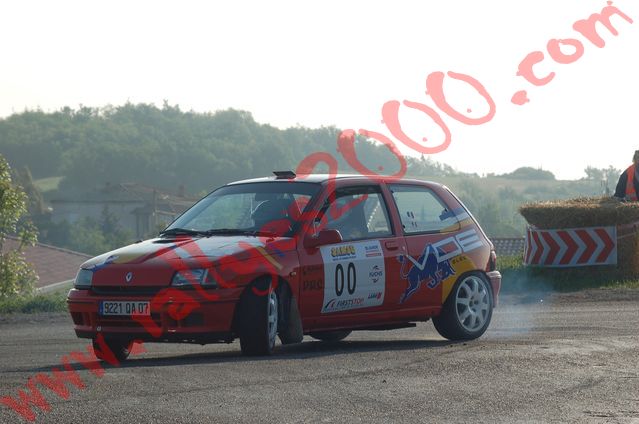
(125, 321)
(126, 291)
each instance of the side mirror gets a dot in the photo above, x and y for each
(324, 237)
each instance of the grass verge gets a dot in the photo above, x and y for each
(47, 184)
(51, 302)
(517, 278)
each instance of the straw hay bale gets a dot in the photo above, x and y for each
(580, 212)
(592, 212)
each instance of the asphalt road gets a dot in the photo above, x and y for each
(570, 358)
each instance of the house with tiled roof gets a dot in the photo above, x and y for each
(508, 246)
(52, 264)
(138, 208)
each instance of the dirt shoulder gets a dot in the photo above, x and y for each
(587, 295)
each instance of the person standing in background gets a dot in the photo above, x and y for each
(628, 184)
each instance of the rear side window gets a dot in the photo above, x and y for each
(422, 211)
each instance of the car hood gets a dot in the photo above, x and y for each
(153, 262)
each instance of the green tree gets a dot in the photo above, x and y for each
(593, 173)
(530, 173)
(115, 236)
(35, 202)
(16, 275)
(86, 237)
(165, 147)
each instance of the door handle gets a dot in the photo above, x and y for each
(391, 245)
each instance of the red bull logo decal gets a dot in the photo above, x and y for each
(427, 269)
(434, 264)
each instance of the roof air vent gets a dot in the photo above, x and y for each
(284, 175)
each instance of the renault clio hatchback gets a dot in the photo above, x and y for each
(289, 256)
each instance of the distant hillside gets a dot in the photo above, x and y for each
(167, 147)
(495, 200)
(76, 151)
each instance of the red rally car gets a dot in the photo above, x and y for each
(288, 256)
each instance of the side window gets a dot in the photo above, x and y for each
(357, 213)
(422, 211)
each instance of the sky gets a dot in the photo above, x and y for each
(337, 63)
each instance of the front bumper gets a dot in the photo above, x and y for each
(176, 316)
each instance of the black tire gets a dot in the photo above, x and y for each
(330, 336)
(258, 303)
(289, 321)
(120, 348)
(468, 310)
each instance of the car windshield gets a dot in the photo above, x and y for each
(252, 208)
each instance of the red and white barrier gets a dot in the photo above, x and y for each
(571, 247)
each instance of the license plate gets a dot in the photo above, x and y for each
(124, 307)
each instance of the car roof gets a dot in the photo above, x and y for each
(321, 178)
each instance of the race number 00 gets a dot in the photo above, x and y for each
(351, 279)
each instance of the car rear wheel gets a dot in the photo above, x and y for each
(258, 319)
(467, 312)
(330, 336)
(120, 348)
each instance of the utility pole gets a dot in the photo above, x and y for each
(154, 206)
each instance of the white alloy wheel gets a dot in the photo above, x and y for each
(272, 318)
(472, 303)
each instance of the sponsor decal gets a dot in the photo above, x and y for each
(269, 257)
(354, 276)
(372, 251)
(460, 214)
(375, 274)
(343, 252)
(434, 264)
(111, 259)
(377, 295)
(313, 285)
(335, 305)
(427, 269)
(312, 269)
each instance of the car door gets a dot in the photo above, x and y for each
(345, 284)
(431, 229)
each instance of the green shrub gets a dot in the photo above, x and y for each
(54, 302)
(517, 278)
(16, 275)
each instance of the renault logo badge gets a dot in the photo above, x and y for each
(129, 277)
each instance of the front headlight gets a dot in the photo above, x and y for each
(83, 279)
(189, 277)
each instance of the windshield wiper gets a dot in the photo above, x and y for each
(265, 234)
(229, 231)
(182, 231)
(238, 231)
(217, 231)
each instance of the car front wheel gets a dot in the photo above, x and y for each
(120, 348)
(467, 312)
(259, 314)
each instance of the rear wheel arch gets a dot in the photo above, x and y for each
(466, 274)
(466, 317)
